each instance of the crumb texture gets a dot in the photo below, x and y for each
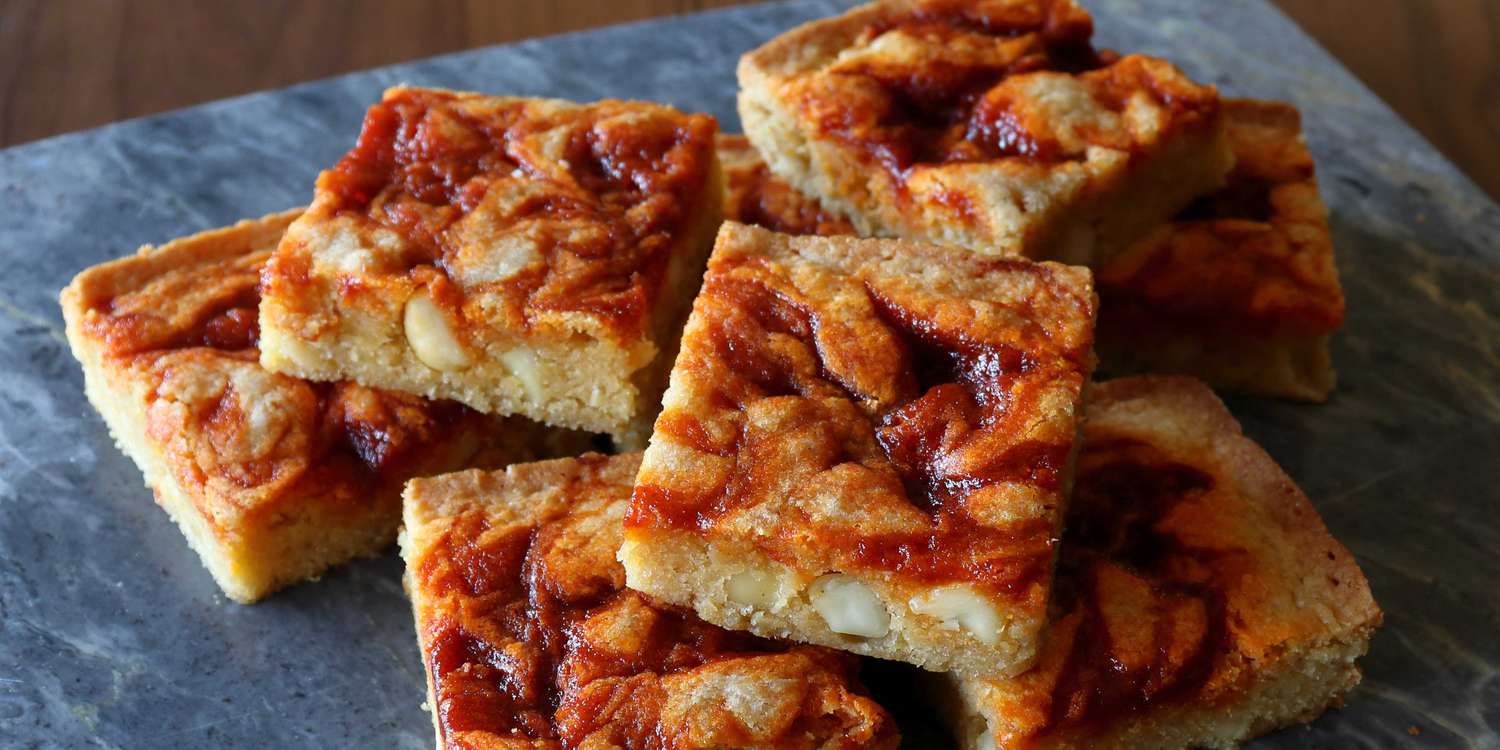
(753, 195)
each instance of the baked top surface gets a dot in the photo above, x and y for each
(528, 631)
(874, 405)
(519, 213)
(192, 166)
(1254, 257)
(922, 86)
(177, 325)
(1190, 565)
(752, 195)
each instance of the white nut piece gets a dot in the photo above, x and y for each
(960, 606)
(522, 364)
(849, 607)
(754, 587)
(986, 739)
(431, 336)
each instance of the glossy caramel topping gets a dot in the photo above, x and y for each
(190, 306)
(546, 206)
(808, 381)
(944, 81)
(531, 634)
(1192, 573)
(239, 431)
(1253, 258)
(187, 333)
(752, 195)
(1145, 618)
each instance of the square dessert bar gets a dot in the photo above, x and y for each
(522, 256)
(272, 479)
(1200, 600)
(531, 640)
(1241, 288)
(867, 444)
(995, 126)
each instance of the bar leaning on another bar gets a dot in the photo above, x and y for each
(531, 640)
(521, 256)
(1200, 599)
(867, 444)
(271, 478)
(1240, 289)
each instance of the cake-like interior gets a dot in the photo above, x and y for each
(995, 126)
(1241, 288)
(271, 478)
(1200, 600)
(866, 444)
(522, 256)
(530, 639)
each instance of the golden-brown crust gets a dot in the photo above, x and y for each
(1253, 260)
(875, 407)
(1192, 570)
(518, 255)
(529, 635)
(994, 125)
(168, 340)
(913, 82)
(516, 213)
(819, 361)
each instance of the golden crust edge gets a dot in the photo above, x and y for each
(118, 402)
(806, 163)
(286, 351)
(1327, 663)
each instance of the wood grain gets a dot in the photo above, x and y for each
(1436, 62)
(71, 64)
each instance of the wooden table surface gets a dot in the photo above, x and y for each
(71, 64)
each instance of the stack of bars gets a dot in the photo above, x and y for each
(863, 382)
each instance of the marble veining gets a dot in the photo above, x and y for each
(112, 635)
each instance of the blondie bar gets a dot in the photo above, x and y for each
(531, 640)
(866, 444)
(1200, 600)
(1241, 288)
(522, 256)
(993, 125)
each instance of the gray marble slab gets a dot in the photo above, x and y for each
(112, 635)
